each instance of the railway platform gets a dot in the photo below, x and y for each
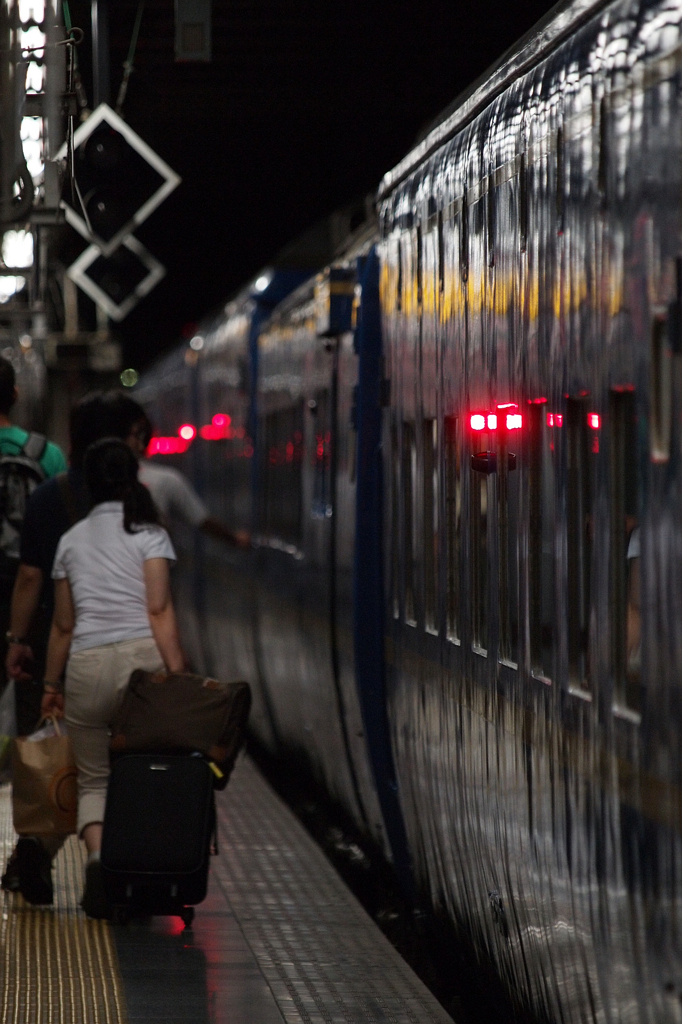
(279, 940)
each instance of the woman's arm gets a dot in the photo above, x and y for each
(162, 613)
(58, 648)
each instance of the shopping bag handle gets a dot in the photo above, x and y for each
(49, 718)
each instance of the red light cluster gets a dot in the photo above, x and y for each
(490, 420)
(167, 446)
(219, 428)
(555, 419)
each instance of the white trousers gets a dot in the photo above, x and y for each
(95, 681)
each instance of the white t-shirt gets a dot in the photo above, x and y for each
(172, 493)
(105, 569)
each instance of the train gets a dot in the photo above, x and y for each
(457, 447)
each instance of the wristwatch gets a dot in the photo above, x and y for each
(12, 639)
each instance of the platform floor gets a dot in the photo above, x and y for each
(279, 939)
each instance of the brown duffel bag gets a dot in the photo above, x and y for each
(180, 712)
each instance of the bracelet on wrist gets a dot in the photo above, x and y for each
(12, 639)
(51, 688)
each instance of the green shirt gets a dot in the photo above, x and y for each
(12, 440)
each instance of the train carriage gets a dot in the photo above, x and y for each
(530, 272)
(306, 542)
(462, 609)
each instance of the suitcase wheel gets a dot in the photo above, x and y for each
(187, 915)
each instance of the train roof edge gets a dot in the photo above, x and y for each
(548, 33)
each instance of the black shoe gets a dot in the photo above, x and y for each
(10, 880)
(35, 871)
(95, 902)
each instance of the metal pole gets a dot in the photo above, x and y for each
(100, 51)
(7, 109)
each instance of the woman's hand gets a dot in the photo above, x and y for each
(18, 661)
(52, 704)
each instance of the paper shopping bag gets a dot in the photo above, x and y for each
(44, 797)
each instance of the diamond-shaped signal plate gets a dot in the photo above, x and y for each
(104, 115)
(117, 282)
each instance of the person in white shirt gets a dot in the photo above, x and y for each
(172, 492)
(113, 614)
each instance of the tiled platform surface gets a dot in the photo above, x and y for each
(279, 939)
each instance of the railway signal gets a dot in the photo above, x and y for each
(118, 180)
(119, 281)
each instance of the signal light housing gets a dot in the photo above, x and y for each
(121, 180)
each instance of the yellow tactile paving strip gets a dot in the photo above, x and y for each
(56, 966)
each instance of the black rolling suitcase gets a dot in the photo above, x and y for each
(158, 828)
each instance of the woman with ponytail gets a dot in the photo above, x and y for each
(113, 614)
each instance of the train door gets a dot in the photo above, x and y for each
(368, 584)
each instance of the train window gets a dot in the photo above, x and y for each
(580, 456)
(480, 485)
(431, 526)
(321, 455)
(602, 168)
(395, 519)
(464, 240)
(523, 204)
(409, 477)
(453, 520)
(441, 253)
(541, 542)
(420, 266)
(399, 296)
(283, 437)
(560, 181)
(624, 600)
(490, 220)
(661, 392)
(508, 523)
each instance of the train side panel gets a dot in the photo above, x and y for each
(530, 269)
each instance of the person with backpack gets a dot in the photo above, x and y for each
(26, 460)
(52, 509)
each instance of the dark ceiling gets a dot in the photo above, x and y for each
(302, 108)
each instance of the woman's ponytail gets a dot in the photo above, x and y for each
(139, 508)
(110, 470)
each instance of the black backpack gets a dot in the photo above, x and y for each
(20, 474)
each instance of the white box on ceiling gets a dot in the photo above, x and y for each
(192, 30)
